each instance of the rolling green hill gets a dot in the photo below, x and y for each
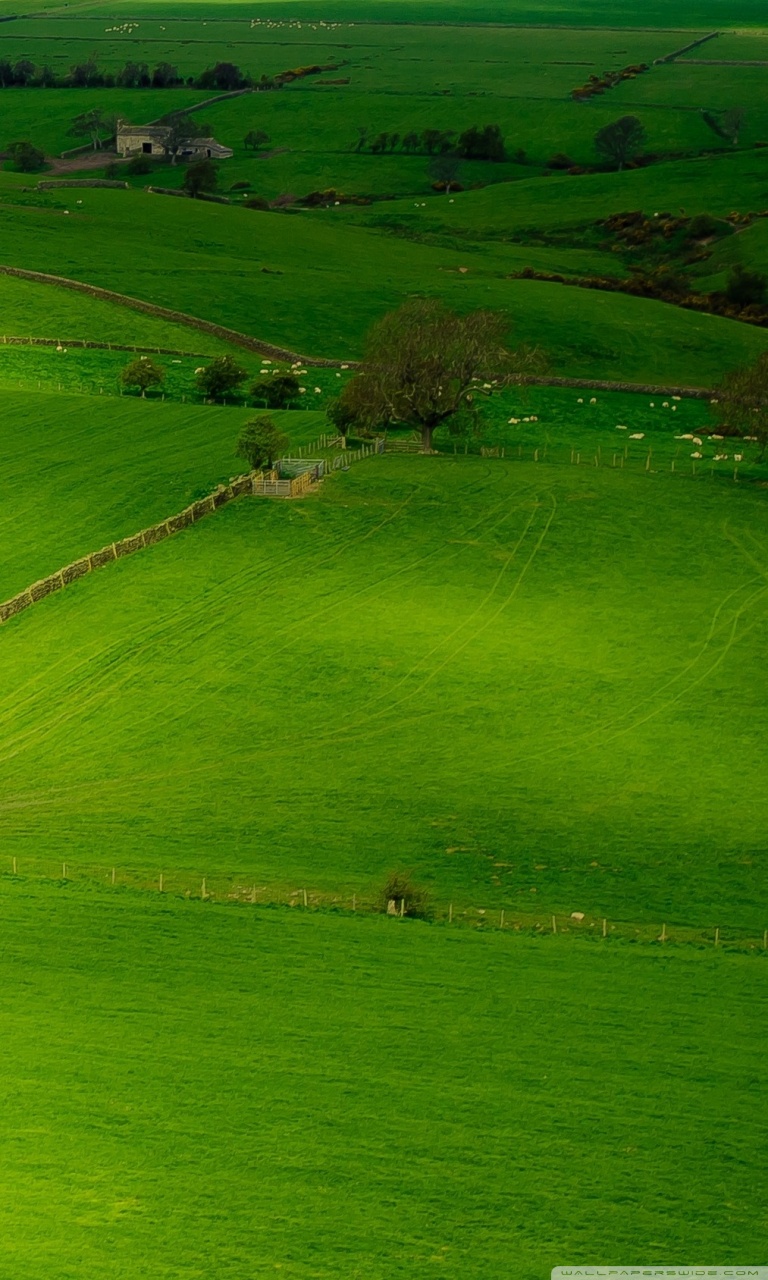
(535, 685)
(316, 287)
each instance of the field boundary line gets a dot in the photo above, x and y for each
(241, 889)
(165, 313)
(89, 344)
(252, 484)
(282, 353)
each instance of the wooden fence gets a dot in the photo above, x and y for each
(217, 888)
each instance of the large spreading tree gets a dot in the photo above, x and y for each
(424, 364)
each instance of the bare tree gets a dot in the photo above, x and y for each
(423, 364)
(741, 401)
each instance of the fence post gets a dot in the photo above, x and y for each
(402, 907)
(305, 896)
(14, 866)
(354, 902)
(63, 870)
(113, 875)
(717, 937)
(203, 894)
(450, 910)
(161, 882)
(605, 928)
(554, 925)
(663, 937)
(501, 919)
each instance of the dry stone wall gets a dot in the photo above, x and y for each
(165, 313)
(246, 484)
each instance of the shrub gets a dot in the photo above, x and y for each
(400, 889)
(746, 288)
(278, 392)
(240, 186)
(560, 161)
(139, 164)
(256, 202)
(25, 157)
(702, 226)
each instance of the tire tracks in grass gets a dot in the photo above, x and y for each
(194, 638)
(342, 599)
(154, 633)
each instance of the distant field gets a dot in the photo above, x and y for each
(708, 13)
(531, 684)
(279, 1090)
(28, 309)
(324, 284)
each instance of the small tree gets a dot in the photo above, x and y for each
(741, 401)
(343, 418)
(620, 141)
(165, 76)
(444, 171)
(142, 374)
(86, 75)
(181, 128)
(399, 895)
(255, 138)
(25, 157)
(225, 76)
(726, 124)
(482, 144)
(411, 142)
(220, 378)
(201, 176)
(260, 442)
(278, 391)
(90, 124)
(746, 288)
(24, 72)
(423, 363)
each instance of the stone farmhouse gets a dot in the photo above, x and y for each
(152, 140)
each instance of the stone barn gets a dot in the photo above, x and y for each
(152, 140)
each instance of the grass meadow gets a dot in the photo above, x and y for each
(320, 1096)
(534, 681)
(316, 287)
(530, 684)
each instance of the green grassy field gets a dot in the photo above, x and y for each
(105, 468)
(326, 1097)
(528, 683)
(324, 284)
(535, 681)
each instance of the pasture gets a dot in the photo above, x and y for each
(528, 683)
(315, 287)
(530, 674)
(321, 1096)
